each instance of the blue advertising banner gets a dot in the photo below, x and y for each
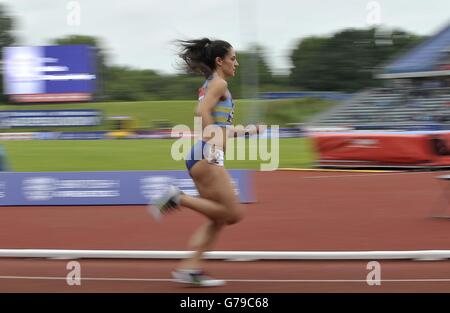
(331, 95)
(47, 118)
(49, 73)
(78, 62)
(103, 188)
(96, 135)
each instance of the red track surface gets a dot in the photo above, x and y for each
(297, 211)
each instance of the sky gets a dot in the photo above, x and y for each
(140, 33)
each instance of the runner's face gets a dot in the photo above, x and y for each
(229, 63)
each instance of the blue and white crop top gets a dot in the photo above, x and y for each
(223, 111)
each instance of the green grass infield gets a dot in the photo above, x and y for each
(142, 154)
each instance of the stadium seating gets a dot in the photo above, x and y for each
(386, 108)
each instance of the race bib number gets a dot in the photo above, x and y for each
(214, 156)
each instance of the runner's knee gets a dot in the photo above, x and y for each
(235, 216)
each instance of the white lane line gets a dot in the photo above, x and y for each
(227, 255)
(88, 278)
(336, 280)
(335, 170)
(367, 175)
(119, 279)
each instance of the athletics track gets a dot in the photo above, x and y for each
(295, 211)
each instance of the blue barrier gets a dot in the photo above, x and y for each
(292, 132)
(328, 95)
(45, 136)
(48, 118)
(409, 127)
(95, 135)
(103, 188)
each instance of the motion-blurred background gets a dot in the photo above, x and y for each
(306, 66)
(89, 94)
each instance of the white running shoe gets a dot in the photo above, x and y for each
(167, 202)
(196, 278)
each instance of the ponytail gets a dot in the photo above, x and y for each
(200, 55)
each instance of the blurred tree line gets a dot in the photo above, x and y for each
(344, 61)
(347, 61)
(6, 39)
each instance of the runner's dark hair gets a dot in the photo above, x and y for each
(200, 55)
